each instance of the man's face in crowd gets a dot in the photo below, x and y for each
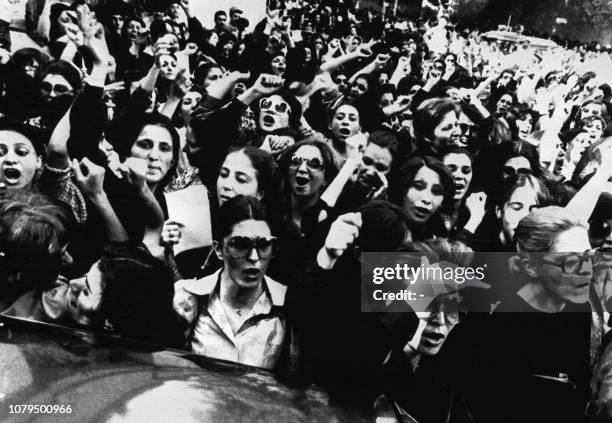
(345, 122)
(175, 10)
(274, 113)
(376, 161)
(220, 20)
(235, 16)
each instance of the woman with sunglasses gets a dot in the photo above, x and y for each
(237, 313)
(548, 342)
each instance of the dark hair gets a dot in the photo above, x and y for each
(388, 140)
(429, 114)
(123, 134)
(504, 190)
(137, 296)
(405, 178)
(384, 226)
(328, 158)
(65, 69)
(33, 231)
(202, 71)
(509, 150)
(37, 136)
(268, 177)
(219, 13)
(235, 210)
(296, 108)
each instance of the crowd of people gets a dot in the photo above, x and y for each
(319, 133)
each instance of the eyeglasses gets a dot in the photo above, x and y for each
(282, 107)
(58, 89)
(368, 161)
(510, 171)
(466, 128)
(241, 246)
(573, 264)
(313, 163)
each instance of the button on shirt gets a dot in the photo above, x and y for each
(260, 339)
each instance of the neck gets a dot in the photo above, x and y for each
(236, 296)
(539, 298)
(301, 204)
(153, 186)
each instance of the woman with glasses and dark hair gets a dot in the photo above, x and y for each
(237, 313)
(548, 341)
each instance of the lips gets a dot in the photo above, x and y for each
(268, 120)
(301, 181)
(11, 175)
(421, 212)
(345, 132)
(432, 338)
(251, 274)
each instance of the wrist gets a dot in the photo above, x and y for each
(98, 198)
(325, 260)
(248, 97)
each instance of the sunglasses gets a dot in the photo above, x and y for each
(58, 89)
(367, 161)
(313, 163)
(510, 171)
(241, 246)
(266, 104)
(466, 128)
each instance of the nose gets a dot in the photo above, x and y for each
(153, 154)
(253, 255)
(437, 319)
(66, 259)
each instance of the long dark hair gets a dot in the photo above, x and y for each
(236, 210)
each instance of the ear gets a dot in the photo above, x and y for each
(498, 212)
(218, 250)
(529, 267)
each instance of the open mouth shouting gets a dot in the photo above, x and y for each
(344, 132)
(268, 121)
(459, 187)
(11, 175)
(301, 183)
(421, 213)
(432, 339)
(251, 274)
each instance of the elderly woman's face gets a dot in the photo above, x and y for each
(246, 253)
(566, 271)
(307, 172)
(424, 196)
(168, 67)
(18, 160)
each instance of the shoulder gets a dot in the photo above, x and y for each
(202, 286)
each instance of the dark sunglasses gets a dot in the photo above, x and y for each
(313, 164)
(57, 89)
(510, 171)
(241, 246)
(367, 161)
(266, 104)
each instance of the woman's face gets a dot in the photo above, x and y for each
(359, 88)
(237, 177)
(278, 65)
(54, 85)
(85, 295)
(274, 113)
(154, 144)
(577, 147)
(345, 122)
(460, 166)
(307, 172)
(18, 160)
(424, 196)
(245, 268)
(213, 75)
(524, 125)
(571, 285)
(448, 131)
(133, 29)
(589, 110)
(595, 129)
(515, 165)
(189, 102)
(521, 202)
(504, 103)
(168, 67)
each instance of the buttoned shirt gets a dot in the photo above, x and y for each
(258, 342)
